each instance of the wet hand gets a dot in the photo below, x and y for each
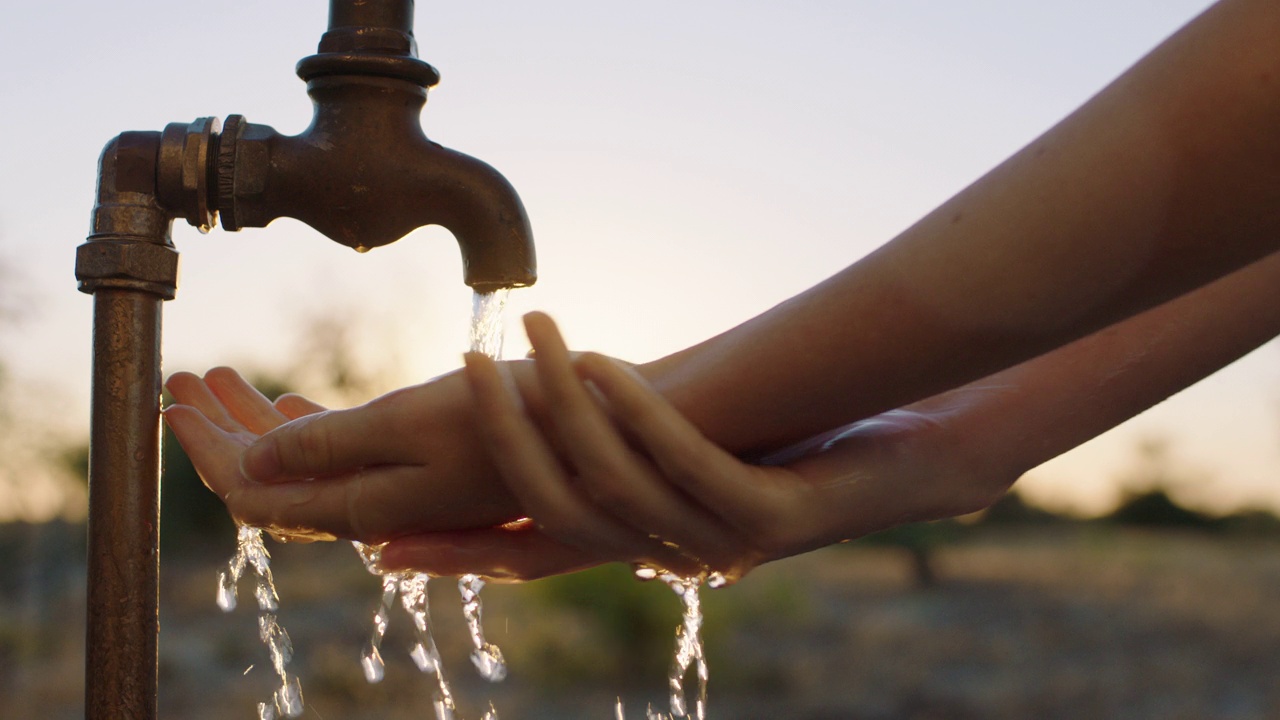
(215, 418)
(406, 462)
(609, 471)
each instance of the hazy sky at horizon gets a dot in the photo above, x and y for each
(685, 166)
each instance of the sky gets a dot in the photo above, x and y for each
(685, 166)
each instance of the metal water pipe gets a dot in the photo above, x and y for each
(364, 174)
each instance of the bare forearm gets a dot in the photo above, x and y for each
(1031, 413)
(1165, 181)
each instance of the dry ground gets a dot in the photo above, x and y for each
(1076, 622)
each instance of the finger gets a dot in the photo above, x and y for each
(366, 505)
(533, 474)
(500, 554)
(295, 406)
(328, 443)
(189, 389)
(215, 454)
(243, 401)
(611, 473)
(700, 467)
(212, 450)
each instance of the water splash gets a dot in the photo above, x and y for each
(371, 660)
(689, 651)
(689, 648)
(485, 655)
(413, 597)
(251, 553)
(411, 589)
(486, 336)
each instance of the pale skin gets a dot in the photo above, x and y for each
(1164, 182)
(598, 487)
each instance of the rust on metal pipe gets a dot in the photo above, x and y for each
(124, 507)
(130, 266)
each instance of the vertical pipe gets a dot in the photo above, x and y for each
(389, 14)
(124, 508)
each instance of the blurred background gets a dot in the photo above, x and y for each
(685, 167)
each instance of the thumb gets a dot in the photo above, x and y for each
(325, 443)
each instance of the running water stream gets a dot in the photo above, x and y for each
(251, 553)
(486, 337)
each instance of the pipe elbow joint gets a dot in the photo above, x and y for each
(128, 245)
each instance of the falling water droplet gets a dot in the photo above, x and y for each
(251, 553)
(372, 664)
(289, 697)
(485, 656)
(362, 249)
(226, 591)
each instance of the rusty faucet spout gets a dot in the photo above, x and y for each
(363, 173)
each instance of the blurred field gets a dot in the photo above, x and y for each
(1060, 621)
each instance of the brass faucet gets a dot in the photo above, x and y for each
(363, 174)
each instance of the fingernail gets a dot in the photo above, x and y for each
(535, 323)
(260, 462)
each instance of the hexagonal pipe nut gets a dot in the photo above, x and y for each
(184, 168)
(128, 264)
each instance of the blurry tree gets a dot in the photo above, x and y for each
(920, 542)
(336, 362)
(1256, 521)
(34, 485)
(1151, 486)
(1156, 508)
(1013, 509)
(618, 612)
(42, 553)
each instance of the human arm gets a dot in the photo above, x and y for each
(1165, 180)
(602, 497)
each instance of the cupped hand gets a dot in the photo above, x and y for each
(406, 462)
(612, 472)
(215, 418)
